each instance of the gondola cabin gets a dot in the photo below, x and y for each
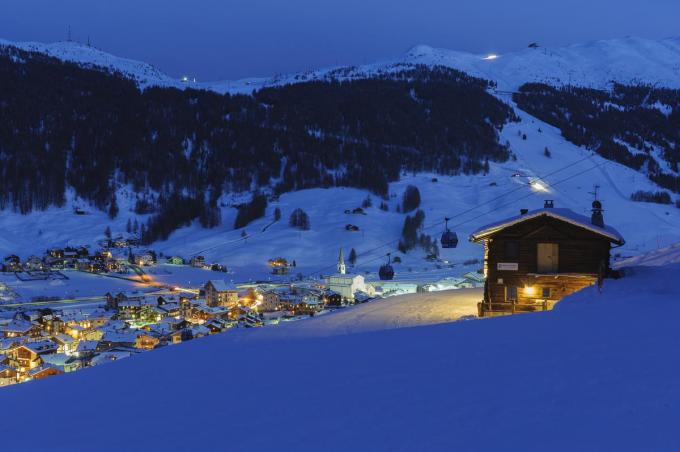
(533, 260)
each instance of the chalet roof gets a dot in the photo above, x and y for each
(17, 326)
(87, 346)
(344, 277)
(221, 285)
(56, 359)
(119, 337)
(109, 356)
(38, 370)
(63, 338)
(566, 215)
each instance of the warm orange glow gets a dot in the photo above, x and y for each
(529, 290)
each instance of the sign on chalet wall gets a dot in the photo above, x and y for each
(507, 266)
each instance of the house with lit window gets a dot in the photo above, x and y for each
(8, 375)
(220, 293)
(536, 258)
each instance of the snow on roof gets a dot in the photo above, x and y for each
(566, 215)
(87, 346)
(221, 285)
(119, 336)
(17, 326)
(56, 359)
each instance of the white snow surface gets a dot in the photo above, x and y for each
(629, 60)
(400, 311)
(597, 373)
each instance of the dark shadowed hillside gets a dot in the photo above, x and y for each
(62, 125)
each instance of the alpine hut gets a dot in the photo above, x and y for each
(534, 259)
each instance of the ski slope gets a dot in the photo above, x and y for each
(567, 178)
(597, 373)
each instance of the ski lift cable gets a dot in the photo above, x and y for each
(505, 205)
(521, 187)
(381, 256)
(471, 209)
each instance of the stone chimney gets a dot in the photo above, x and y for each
(549, 204)
(523, 211)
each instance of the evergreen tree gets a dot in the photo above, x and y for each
(409, 233)
(128, 226)
(299, 219)
(107, 232)
(352, 257)
(411, 199)
(251, 211)
(113, 207)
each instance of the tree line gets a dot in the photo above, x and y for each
(637, 126)
(65, 126)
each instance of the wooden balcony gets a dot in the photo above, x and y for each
(488, 309)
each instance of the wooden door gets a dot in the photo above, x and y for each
(548, 257)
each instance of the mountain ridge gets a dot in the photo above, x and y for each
(594, 64)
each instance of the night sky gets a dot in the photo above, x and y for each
(219, 39)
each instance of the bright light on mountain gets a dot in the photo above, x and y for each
(538, 186)
(491, 56)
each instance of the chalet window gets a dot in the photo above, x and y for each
(547, 257)
(546, 292)
(511, 250)
(510, 293)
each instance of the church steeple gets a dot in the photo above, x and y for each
(341, 263)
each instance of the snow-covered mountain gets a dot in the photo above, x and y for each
(91, 57)
(594, 64)
(645, 226)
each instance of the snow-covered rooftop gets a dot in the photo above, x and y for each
(221, 285)
(566, 215)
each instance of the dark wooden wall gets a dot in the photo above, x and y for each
(581, 255)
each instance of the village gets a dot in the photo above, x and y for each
(531, 261)
(47, 336)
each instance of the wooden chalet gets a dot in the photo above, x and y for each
(533, 260)
(221, 293)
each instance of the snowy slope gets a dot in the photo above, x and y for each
(143, 73)
(471, 201)
(595, 64)
(598, 373)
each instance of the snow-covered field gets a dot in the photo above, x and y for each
(401, 311)
(597, 373)
(80, 285)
